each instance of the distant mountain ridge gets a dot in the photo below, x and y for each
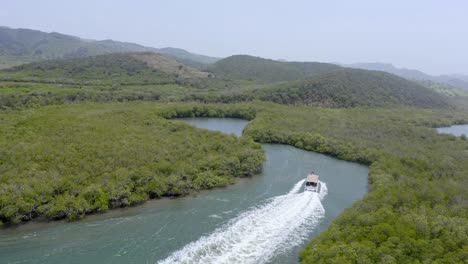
(19, 46)
(456, 80)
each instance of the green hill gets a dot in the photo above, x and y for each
(345, 88)
(246, 67)
(118, 68)
(350, 87)
(328, 86)
(18, 46)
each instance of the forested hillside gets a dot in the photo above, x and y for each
(246, 67)
(309, 83)
(129, 68)
(350, 87)
(149, 76)
(340, 88)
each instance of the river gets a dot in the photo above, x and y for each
(263, 219)
(456, 130)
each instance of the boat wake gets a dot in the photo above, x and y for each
(260, 233)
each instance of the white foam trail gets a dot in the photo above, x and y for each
(260, 233)
(297, 187)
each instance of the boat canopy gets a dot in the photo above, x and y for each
(312, 178)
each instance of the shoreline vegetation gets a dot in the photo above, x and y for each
(68, 161)
(417, 177)
(93, 143)
(416, 209)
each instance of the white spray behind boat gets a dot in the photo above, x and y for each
(260, 233)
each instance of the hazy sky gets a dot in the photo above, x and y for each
(430, 35)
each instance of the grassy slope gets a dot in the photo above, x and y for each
(185, 56)
(111, 69)
(445, 89)
(113, 77)
(169, 66)
(66, 161)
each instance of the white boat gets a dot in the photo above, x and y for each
(312, 183)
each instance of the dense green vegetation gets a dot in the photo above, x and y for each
(349, 88)
(104, 70)
(17, 95)
(29, 95)
(103, 78)
(147, 76)
(416, 211)
(246, 67)
(68, 161)
(341, 88)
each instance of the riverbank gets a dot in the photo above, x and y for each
(413, 189)
(154, 230)
(71, 161)
(417, 181)
(400, 219)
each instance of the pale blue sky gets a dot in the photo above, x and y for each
(430, 35)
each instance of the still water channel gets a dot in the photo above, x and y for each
(456, 130)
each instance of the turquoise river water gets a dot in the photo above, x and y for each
(263, 219)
